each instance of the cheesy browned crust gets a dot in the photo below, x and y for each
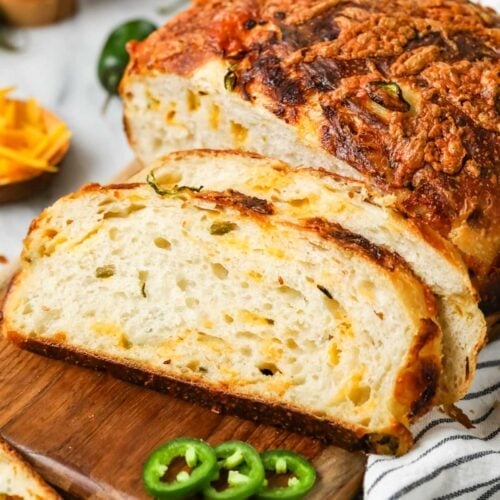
(433, 138)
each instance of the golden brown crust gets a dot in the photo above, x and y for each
(246, 205)
(396, 439)
(408, 93)
(380, 255)
(352, 241)
(422, 372)
(489, 289)
(419, 228)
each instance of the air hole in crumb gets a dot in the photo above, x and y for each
(244, 284)
(291, 344)
(267, 306)
(380, 314)
(191, 302)
(228, 319)
(121, 213)
(291, 292)
(162, 243)
(50, 233)
(268, 369)
(247, 335)
(69, 222)
(220, 271)
(105, 202)
(113, 233)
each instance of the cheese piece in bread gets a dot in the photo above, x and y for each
(302, 193)
(18, 480)
(403, 94)
(210, 295)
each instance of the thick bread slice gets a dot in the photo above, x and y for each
(301, 324)
(18, 480)
(306, 193)
(403, 95)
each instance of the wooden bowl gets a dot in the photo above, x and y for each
(24, 187)
(36, 12)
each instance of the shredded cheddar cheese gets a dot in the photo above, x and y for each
(31, 139)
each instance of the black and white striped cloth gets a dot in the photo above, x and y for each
(449, 461)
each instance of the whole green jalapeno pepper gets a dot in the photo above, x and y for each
(114, 57)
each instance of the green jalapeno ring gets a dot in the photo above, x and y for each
(245, 471)
(281, 462)
(198, 455)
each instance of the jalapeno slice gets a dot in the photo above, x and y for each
(114, 57)
(245, 472)
(199, 457)
(301, 475)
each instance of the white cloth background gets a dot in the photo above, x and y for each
(449, 461)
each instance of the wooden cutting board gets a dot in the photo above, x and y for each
(89, 433)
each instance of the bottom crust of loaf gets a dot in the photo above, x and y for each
(396, 440)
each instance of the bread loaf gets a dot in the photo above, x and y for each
(303, 193)
(216, 297)
(403, 94)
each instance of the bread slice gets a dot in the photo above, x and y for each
(212, 296)
(402, 97)
(302, 193)
(18, 480)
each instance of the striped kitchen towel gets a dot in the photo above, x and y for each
(449, 461)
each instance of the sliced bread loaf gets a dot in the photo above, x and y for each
(214, 297)
(401, 94)
(303, 193)
(18, 480)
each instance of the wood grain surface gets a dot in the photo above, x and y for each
(89, 433)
